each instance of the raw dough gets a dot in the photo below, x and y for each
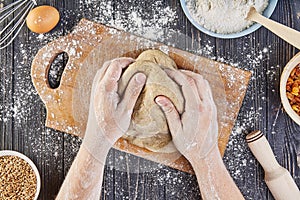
(149, 128)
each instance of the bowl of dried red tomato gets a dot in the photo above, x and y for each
(290, 88)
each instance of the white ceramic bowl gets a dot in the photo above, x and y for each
(283, 80)
(37, 174)
(267, 13)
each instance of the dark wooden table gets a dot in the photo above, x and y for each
(22, 113)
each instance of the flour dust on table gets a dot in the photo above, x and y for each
(147, 24)
(169, 36)
(151, 23)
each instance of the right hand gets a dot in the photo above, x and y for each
(195, 132)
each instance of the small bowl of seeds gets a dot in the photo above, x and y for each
(290, 88)
(19, 177)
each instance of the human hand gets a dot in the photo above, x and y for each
(195, 132)
(110, 113)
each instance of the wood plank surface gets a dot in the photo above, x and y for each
(89, 46)
(22, 113)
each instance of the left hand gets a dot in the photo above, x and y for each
(113, 111)
(110, 113)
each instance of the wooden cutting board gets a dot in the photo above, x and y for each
(89, 46)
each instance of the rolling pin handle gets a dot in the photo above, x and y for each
(278, 179)
(262, 151)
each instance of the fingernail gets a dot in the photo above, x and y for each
(168, 70)
(131, 60)
(140, 78)
(123, 58)
(160, 101)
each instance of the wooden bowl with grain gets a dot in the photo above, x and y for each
(290, 88)
(19, 177)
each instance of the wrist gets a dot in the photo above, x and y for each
(98, 147)
(91, 157)
(212, 155)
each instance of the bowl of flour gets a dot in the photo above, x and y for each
(225, 18)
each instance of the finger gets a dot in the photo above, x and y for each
(96, 99)
(189, 88)
(101, 72)
(171, 114)
(132, 93)
(208, 90)
(113, 73)
(204, 90)
(210, 98)
(200, 83)
(123, 61)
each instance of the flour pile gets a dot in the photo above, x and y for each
(224, 16)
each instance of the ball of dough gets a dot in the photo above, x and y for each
(149, 128)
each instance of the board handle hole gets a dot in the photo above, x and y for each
(56, 69)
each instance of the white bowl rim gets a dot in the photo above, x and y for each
(267, 13)
(283, 80)
(32, 165)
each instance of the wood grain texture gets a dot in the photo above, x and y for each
(22, 113)
(67, 106)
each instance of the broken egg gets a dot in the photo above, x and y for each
(42, 19)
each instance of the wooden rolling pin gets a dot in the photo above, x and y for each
(278, 179)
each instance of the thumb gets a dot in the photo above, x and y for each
(171, 114)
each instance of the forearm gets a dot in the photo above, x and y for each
(213, 178)
(84, 179)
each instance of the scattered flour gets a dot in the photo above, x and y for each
(150, 24)
(224, 16)
(20, 105)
